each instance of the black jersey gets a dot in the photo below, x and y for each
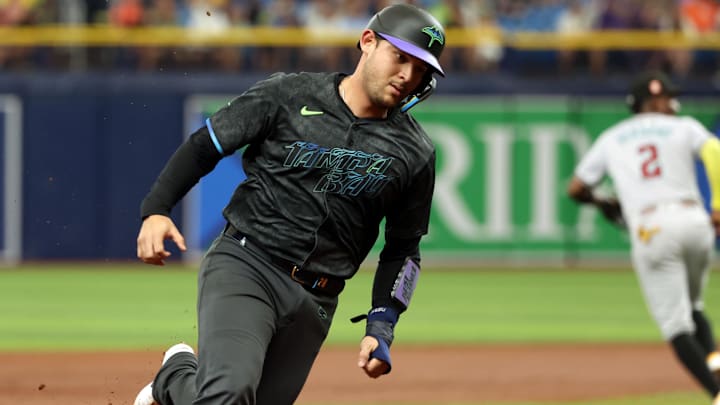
(319, 180)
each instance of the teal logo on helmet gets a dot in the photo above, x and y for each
(435, 35)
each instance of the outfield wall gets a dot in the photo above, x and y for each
(92, 144)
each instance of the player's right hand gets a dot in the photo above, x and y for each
(151, 240)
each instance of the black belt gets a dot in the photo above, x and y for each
(313, 282)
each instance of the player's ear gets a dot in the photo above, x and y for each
(368, 39)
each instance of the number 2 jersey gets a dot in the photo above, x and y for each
(650, 158)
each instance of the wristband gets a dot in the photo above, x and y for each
(383, 314)
(380, 325)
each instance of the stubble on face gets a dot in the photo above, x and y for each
(377, 77)
(375, 84)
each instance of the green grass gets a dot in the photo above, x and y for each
(514, 306)
(134, 306)
(113, 307)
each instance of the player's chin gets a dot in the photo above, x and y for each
(391, 100)
(394, 93)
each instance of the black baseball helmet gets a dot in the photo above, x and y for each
(413, 31)
(647, 85)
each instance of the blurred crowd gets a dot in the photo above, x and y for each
(690, 17)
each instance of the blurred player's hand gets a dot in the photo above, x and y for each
(715, 216)
(612, 211)
(373, 367)
(151, 240)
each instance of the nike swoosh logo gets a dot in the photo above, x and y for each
(305, 112)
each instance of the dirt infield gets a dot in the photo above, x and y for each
(421, 375)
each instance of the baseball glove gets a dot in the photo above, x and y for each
(612, 211)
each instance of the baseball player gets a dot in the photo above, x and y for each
(650, 157)
(328, 156)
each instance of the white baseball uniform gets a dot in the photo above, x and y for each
(651, 160)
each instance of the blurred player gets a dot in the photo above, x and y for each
(650, 157)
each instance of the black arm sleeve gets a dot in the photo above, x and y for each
(195, 158)
(392, 258)
(585, 196)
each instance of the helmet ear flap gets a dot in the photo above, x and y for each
(424, 82)
(423, 91)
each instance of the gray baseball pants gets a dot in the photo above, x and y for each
(259, 333)
(673, 265)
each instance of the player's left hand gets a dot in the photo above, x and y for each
(373, 367)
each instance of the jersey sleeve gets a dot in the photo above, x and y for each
(410, 216)
(248, 117)
(405, 225)
(593, 166)
(697, 133)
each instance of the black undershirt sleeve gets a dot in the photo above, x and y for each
(195, 158)
(392, 259)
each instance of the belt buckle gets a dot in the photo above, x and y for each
(294, 275)
(294, 270)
